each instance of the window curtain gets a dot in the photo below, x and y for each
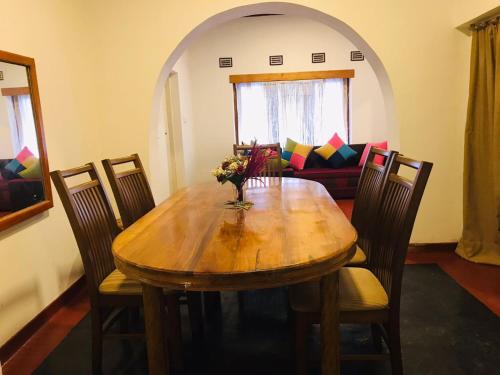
(22, 124)
(28, 137)
(480, 240)
(307, 111)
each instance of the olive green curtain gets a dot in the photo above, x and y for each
(480, 240)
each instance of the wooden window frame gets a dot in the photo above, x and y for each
(293, 76)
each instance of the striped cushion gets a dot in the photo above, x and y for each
(360, 290)
(117, 283)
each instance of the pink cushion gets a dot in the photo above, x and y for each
(378, 159)
(24, 154)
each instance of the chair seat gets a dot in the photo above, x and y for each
(358, 259)
(360, 290)
(117, 283)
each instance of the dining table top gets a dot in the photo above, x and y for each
(294, 232)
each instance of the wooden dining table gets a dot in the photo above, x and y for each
(193, 241)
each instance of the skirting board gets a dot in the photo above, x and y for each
(21, 337)
(437, 246)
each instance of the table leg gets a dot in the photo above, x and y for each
(329, 328)
(154, 317)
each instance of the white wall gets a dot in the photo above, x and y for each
(99, 63)
(208, 106)
(39, 258)
(14, 76)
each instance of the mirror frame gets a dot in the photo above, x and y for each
(25, 213)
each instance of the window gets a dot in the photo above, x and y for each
(306, 110)
(21, 121)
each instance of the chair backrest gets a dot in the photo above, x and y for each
(92, 220)
(368, 192)
(273, 166)
(131, 189)
(393, 223)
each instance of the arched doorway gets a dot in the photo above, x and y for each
(158, 154)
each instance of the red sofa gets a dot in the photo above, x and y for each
(341, 183)
(17, 193)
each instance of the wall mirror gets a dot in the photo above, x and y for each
(24, 172)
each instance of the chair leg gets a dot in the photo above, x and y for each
(96, 323)
(241, 303)
(195, 315)
(376, 337)
(175, 331)
(302, 326)
(212, 303)
(395, 349)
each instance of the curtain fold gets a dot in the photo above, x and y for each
(480, 240)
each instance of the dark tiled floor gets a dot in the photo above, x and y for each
(444, 330)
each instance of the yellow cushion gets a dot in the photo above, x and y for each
(358, 259)
(117, 283)
(360, 290)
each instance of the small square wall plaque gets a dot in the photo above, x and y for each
(318, 58)
(225, 62)
(276, 60)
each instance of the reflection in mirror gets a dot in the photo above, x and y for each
(21, 177)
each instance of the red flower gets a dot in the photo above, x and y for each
(256, 163)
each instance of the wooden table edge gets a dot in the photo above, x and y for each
(233, 282)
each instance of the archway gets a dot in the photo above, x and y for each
(262, 8)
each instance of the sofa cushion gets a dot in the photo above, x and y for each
(299, 156)
(34, 170)
(14, 167)
(336, 152)
(288, 150)
(378, 159)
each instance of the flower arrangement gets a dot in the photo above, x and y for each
(239, 169)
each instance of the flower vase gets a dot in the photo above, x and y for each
(239, 193)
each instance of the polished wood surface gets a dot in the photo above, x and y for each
(293, 76)
(14, 91)
(294, 232)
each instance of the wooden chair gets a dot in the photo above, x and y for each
(371, 295)
(367, 199)
(131, 189)
(273, 167)
(134, 199)
(94, 226)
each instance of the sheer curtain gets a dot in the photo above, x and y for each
(26, 128)
(307, 111)
(28, 124)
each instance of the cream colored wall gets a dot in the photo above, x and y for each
(39, 258)
(426, 59)
(14, 76)
(250, 42)
(98, 65)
